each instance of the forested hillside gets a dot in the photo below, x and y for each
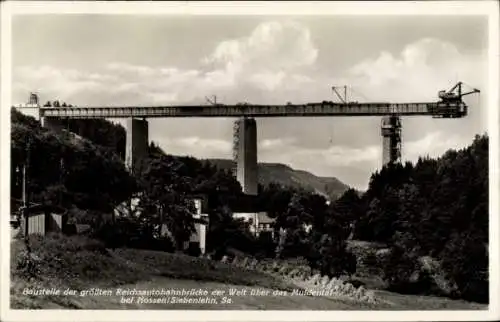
(268, 173)
(65, 171)
(436, 208)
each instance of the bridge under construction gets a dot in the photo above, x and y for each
(449, 105)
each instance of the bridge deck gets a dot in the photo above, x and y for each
(311, 109)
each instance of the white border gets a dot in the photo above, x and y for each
(487, 8)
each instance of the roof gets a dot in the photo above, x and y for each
(197, 195)
(81, 228)
(200, 221)
(260, 217)
(264, 218)
(46, 208)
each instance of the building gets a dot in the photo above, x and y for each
(259, 222)
(128, 208)
(199, 237)
(43, 219)
(33, 100)
(32, 108)
(201, 221)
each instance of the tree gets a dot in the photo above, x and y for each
(329, 255)
(275, 199)
(465, 258)
(438, 208)
(294, 242)
(70, 172)
(164, 199)
(399, 268)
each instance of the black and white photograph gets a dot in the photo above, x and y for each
(226, 156)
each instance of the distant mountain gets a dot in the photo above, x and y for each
(330, 187)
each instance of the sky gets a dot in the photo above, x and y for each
(112, 60)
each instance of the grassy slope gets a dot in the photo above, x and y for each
(283, 174)
(128, 268)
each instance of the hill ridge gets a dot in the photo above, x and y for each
(330, 187)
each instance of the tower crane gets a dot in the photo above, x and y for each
(455, 94)
(450, 105)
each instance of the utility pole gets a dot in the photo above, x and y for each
(24, 207)
(26, 202)
(62, 170)
(25, 199)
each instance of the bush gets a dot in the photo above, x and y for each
(398, 267)
(371, 264)
(465, 260)
(331, 257)
(403, 273)
(27, 265)
(193, 250)
(128, 233)
(265, 246)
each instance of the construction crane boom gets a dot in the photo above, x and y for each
(455, 94)
(342, 99)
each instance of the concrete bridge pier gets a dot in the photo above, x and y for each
(391, 139)
(245, 154)
(52, 123)
(137, 143)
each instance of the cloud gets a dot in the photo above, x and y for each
(433, 144)
(196, 146)
(344, 155)
(272, 64)
(272, 46)
(418, 72)
(272, 58)
(272, 144)
(268, 80)
(332, 156)
(57, 83)
(124, 68)
(269, 58)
